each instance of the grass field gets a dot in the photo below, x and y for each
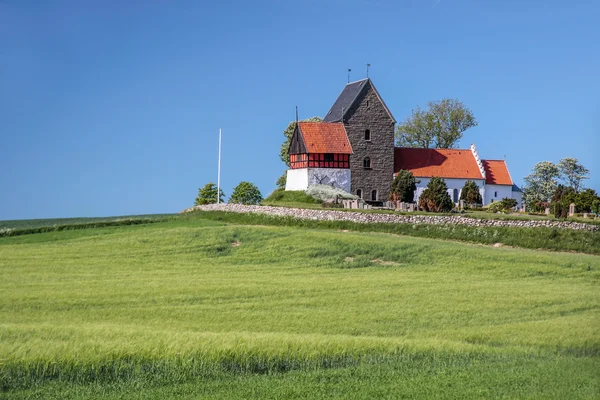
(196, 308)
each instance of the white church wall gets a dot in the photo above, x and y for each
(297, 179)
(497, 193)
(518, 196)
(452, 184)
(301, 179)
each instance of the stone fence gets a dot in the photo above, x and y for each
(362, 217)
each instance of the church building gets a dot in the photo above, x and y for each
(353, 149)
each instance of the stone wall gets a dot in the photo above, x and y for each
(331, 215)
(369, 113)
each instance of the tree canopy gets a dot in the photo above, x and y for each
(540, 184)
(288, 133)
(440, 126)
(572, 173)
(246, 193)
(470, 194)
(435, 197)
(208, 195)
(403, 187)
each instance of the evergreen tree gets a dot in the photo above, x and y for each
(470, 194)
(403, 187)
(208, 195)
(435, 197)
(246, 193)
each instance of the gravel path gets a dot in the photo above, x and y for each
(359, 217)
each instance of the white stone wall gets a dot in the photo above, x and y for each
(301, 179)
(452, 184)
(497, 193)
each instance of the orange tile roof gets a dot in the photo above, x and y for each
(443, 163)
(325, 137)
(496, 172)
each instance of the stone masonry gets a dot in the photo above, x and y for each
(362, 217)
(368, 112)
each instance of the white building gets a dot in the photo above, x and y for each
(319, 155)
(457, 166)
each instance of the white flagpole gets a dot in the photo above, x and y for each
(219, 171)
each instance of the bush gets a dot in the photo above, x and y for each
(326, 192)
(245, 193)
(470, 194)
(505, 205)
(208, 195)
(435, 197)
(290, 196)
(403, 187)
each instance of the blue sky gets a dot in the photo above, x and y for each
(113, 108)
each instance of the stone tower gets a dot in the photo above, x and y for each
(370, 128)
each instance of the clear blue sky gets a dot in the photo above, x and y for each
(113, 108)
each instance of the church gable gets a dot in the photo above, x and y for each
(297, 145)
(352, 97)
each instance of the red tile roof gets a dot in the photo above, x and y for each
(443, 163)
(324, 137)
(496, 172)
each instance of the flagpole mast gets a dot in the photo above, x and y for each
(219, 171)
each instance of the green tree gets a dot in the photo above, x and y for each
(440, 126)
(585, 200)
(245, 193)
(282, 180)
(572, 172)
(435, 197)
(540, 184)
(208, 195)
(288, 133)
(470, 194)
(596, 206)
(561, 199)
(403, 187)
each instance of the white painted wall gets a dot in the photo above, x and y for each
(301, 179)
(497, 193)
(297, 179)
(452, 184)
(518, 196)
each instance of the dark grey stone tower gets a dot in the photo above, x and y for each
(370, 127)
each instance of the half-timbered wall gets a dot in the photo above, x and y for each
(321, 160)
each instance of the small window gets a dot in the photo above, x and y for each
(495, 194)
(367, 134)
(367, 163)
(367, 103)
(328, 157)
(455, 195)
(374, 195)
(359, 193)
(492, 200)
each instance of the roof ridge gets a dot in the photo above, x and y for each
(360, 80)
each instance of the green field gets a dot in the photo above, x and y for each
(197, 308)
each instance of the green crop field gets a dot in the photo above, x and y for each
(198, 308)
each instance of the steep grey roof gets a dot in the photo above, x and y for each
(348, 97)
(345, 101)
(515, 188)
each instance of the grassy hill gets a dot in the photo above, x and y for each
(198, 308)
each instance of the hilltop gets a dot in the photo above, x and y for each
(196, 307)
